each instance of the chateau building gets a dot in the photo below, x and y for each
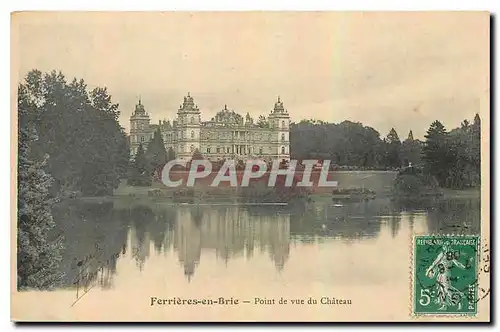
(228, 135)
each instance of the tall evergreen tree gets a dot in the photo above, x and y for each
(140, 170)
(476, 144)
(38, 249)
(459, 166)
(435, 155)
(156, 153)
(393, 137)
(393, 149)
(170, 154)
(197, 155)
(411, 150)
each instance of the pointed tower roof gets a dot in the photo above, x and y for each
(410, 136)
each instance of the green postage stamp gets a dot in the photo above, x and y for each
(445, 272)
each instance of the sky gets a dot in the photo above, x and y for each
(385, 70)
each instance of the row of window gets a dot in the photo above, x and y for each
(182, 120)
(139, 125)
(168, 137)
(238, 150)
(227, 135)
(191, 120)
(247, 150)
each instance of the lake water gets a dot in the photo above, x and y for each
(356, 253)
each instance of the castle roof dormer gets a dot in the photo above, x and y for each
(139, 111)
(188, 105)
(248, 120)
(279, 110)
(278, 106)
(228, 117)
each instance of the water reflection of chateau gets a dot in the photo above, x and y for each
(140, 242)
(240, 231)
(228, 231)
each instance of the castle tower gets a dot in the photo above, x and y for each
(140, 129)
(188, 128)
(279, 121)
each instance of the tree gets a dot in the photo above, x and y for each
(392, 149)
(347, 143)
(117, 152)
(140, 175)
(79, 129)
(410, 136)
(453, 158)
(197, 155)
(459, 167)
(435, 155)
(170, 154)
(464, 153)
(38, 253)
(475, 144)
(156, 152)
(477, 121)
(411, 150)
(465, 124)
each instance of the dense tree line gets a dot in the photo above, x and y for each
(453, 157)
(352, 144)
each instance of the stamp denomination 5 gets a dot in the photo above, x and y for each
(445, 273)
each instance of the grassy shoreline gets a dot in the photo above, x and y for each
(461, 193)
(133, 194)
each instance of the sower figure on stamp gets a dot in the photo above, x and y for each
(447, 295)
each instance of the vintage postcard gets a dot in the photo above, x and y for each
(251, 167)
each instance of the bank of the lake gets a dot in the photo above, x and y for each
(461, 193)
(380, 182)
(131, 196)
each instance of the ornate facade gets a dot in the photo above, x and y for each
(228, 135)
